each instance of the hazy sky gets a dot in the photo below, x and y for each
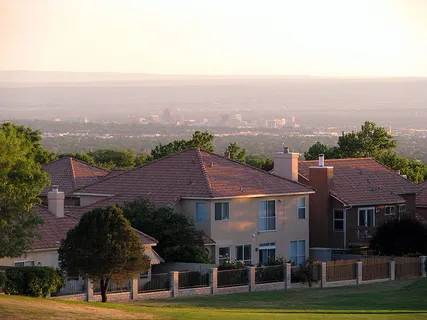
(304, 37)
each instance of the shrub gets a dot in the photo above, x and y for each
(33, 281)
(2, 279)
(228, 265)
(306, 273)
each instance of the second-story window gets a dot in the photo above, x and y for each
(338, 220)
(402, 209)
(301, 208)
(201, 212)
(390, 210)
(222, 211)
(267, 215)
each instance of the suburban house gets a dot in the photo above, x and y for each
(245, 213)
(70, 174)
(421, 203)
(353, 197)
(57, 220)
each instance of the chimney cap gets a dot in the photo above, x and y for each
(55, 188)
(285, 149)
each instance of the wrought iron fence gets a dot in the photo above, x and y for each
(113, 287)
(269, 274)
(192, 279)
(158, 282)
(231, 278)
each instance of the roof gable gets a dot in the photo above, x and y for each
(362, 181)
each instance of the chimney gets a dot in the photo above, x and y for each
(286, 164)
(227, 154)
(321, 160)
(55, 199)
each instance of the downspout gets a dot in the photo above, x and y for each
(345, 225)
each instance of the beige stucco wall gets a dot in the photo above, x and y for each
(242, 227)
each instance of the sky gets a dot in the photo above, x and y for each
(262, 37)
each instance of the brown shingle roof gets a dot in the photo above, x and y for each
(192, 173)
(69, 174)
(422, 196)
(54, 229)
(363, 181)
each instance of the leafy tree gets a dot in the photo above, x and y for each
(21, 181)
(178, 238)
(370, 141)
(103, 246)
(400, 237)
(320, 148)
(142, 158)
(236, 153)
(259, 162)
(202, 140)
(413, 169)
(111, 158)
(79, 155)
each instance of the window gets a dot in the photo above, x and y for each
(366, 217)
(201, 212)
(297, 252)
(244, 253)
(76, 202)
(24, 263)
(301, 208)
(144, 275)
(224, 254)
(390, 210)
(222, 211)
(402, 209)
(267, 252)
(338, 220)
(267, 215)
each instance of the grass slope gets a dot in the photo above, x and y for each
(399, 300)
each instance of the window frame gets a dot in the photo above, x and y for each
(222, 211)
(245, 261)
(338, 219)
(298, 255)
(206, 212)
(24, 262)
(305, 208)
(229, 254)
(365, 209)
(404, 209)
(389, 207)
(266, 246)
(266, 217)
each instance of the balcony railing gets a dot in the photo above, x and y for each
(360, 235)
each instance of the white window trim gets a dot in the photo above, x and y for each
(335, 219)
(268, 247)
(23, 261)
(389, 214)
(229, 250)
(363, 209)
(243, 252)
(305, 208)
(275, 216)
(229, 209)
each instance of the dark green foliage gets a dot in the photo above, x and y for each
(33, 281)
(308, 272)
(103, 246)
(21, 181)
(202, 140)
(400, 237)
(2, 279)
(228, 265)
(235, 152)
(178, 238)
(320, 148)
(110, 158)
(260, 162)
(79, 155)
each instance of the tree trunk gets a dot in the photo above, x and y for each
(104, 288)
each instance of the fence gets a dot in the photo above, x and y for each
(72, 286)
(119, 286)
(376, 268)
(406, 267)
(269, 274)
(230, 278)
(331, 273)
(158, 282)
(340, 270)
(192, 279)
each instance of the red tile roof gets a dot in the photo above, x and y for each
(422, 196)
(54, 229)
(363, 181)
(192, 173)
(69, 174)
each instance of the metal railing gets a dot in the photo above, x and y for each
(269, 274)
(113, 287)
(231, 278)
(157, 282)
(192, 279)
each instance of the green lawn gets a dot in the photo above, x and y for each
(389, 300)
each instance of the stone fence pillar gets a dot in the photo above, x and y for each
(423, 266)
(392, 270)
(251, 277)
(89, 289)
(213, 280)
(174, 276)
(134, 288)
(323, 275)
(287, 273)
(359, 269)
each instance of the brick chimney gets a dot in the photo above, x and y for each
(286, 164)
(55, 199)
(321, 178)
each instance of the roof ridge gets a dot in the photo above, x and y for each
(133, 169)
(340, 159)
(87, 164)
(205, 175)
(257, 169)
(394, 172)
(73, 173)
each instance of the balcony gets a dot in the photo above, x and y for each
(359, 236)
